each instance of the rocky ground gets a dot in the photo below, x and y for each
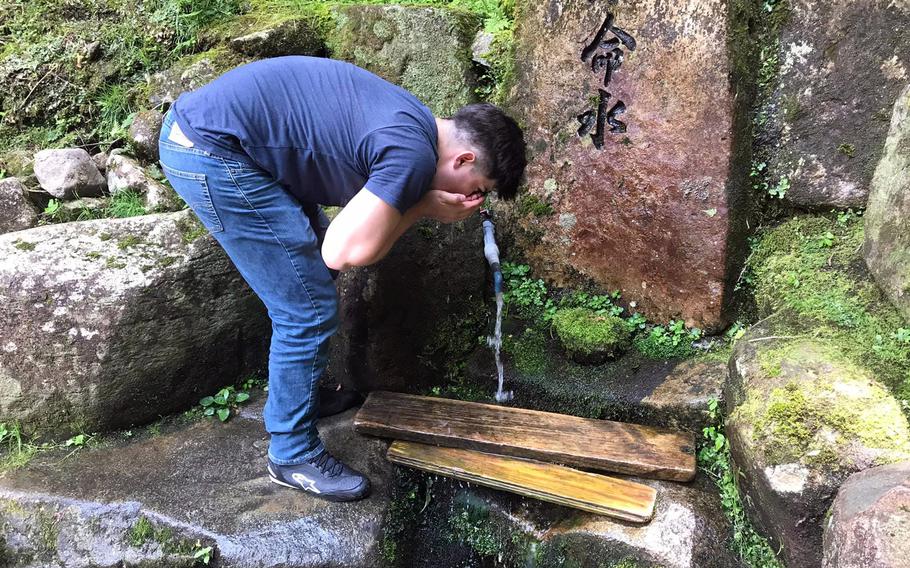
(122, 314)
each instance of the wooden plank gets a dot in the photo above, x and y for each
(580, 442)
(552, 483)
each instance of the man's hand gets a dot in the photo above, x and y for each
(449, 207)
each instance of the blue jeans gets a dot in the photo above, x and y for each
(270, 239)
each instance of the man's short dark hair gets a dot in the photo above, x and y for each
(499, 143)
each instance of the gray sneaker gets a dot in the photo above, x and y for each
(324, 476)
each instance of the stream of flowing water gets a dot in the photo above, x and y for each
(495, 341)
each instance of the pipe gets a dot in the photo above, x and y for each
(491, 251)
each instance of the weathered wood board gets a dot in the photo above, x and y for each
(591, 492)
(569, 440)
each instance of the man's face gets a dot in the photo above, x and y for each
(461, 176)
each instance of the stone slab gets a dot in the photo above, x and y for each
(653, 201)
(204, 481)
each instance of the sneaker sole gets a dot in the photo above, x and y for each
(336, 497)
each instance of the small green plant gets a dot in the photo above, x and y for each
(254, 382)
(202, 554)
(11, 435)
(223, 402)
(780, 190)
(115, 112)
(824, 240)
(848, 216)
(52, 210)
(902, 335)
(734, 332)
(600, 304)
(847, 149)
(527, 295)
(77, 441)
(672, 340)
(714, 459)
(125, 204)
(141, 532)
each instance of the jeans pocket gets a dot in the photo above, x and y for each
(194, 189)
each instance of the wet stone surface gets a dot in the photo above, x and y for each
(201, 481)
(437, 522)
(666, 393)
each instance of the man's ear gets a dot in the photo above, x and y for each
(464, 158)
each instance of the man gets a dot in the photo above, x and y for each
(256, 150)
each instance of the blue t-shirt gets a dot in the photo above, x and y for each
(323, 128)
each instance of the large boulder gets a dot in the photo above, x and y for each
(841, 66)
(869, 523)
(148, 500)
(887, 218)
(425, 50)
(801, 419)
(295, 36)
(68, 173)
(116, 321)
(16, 212)
(410, 320)
(638, 122)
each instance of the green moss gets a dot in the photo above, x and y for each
(812, 268)
(471, 526)
(533, 205)
(74, 104)
(497, 82)
(128, 241)
(791, 108)
(141, 532)
(113, 263)
(528, 351)
(48, 533)
(166, 261)
(23, 245)
(823, 406)
(582, 331)
(382, 40)
(191, 229)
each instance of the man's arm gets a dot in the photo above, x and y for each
(365, 230)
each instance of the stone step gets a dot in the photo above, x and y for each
(436, 521)
(636, 389)
(151, 498)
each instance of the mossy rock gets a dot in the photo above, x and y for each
(273, 30)
(811, 268)
(802, 417)
(808, 405)
(590, 338)
(426, 50)
(191, 72)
